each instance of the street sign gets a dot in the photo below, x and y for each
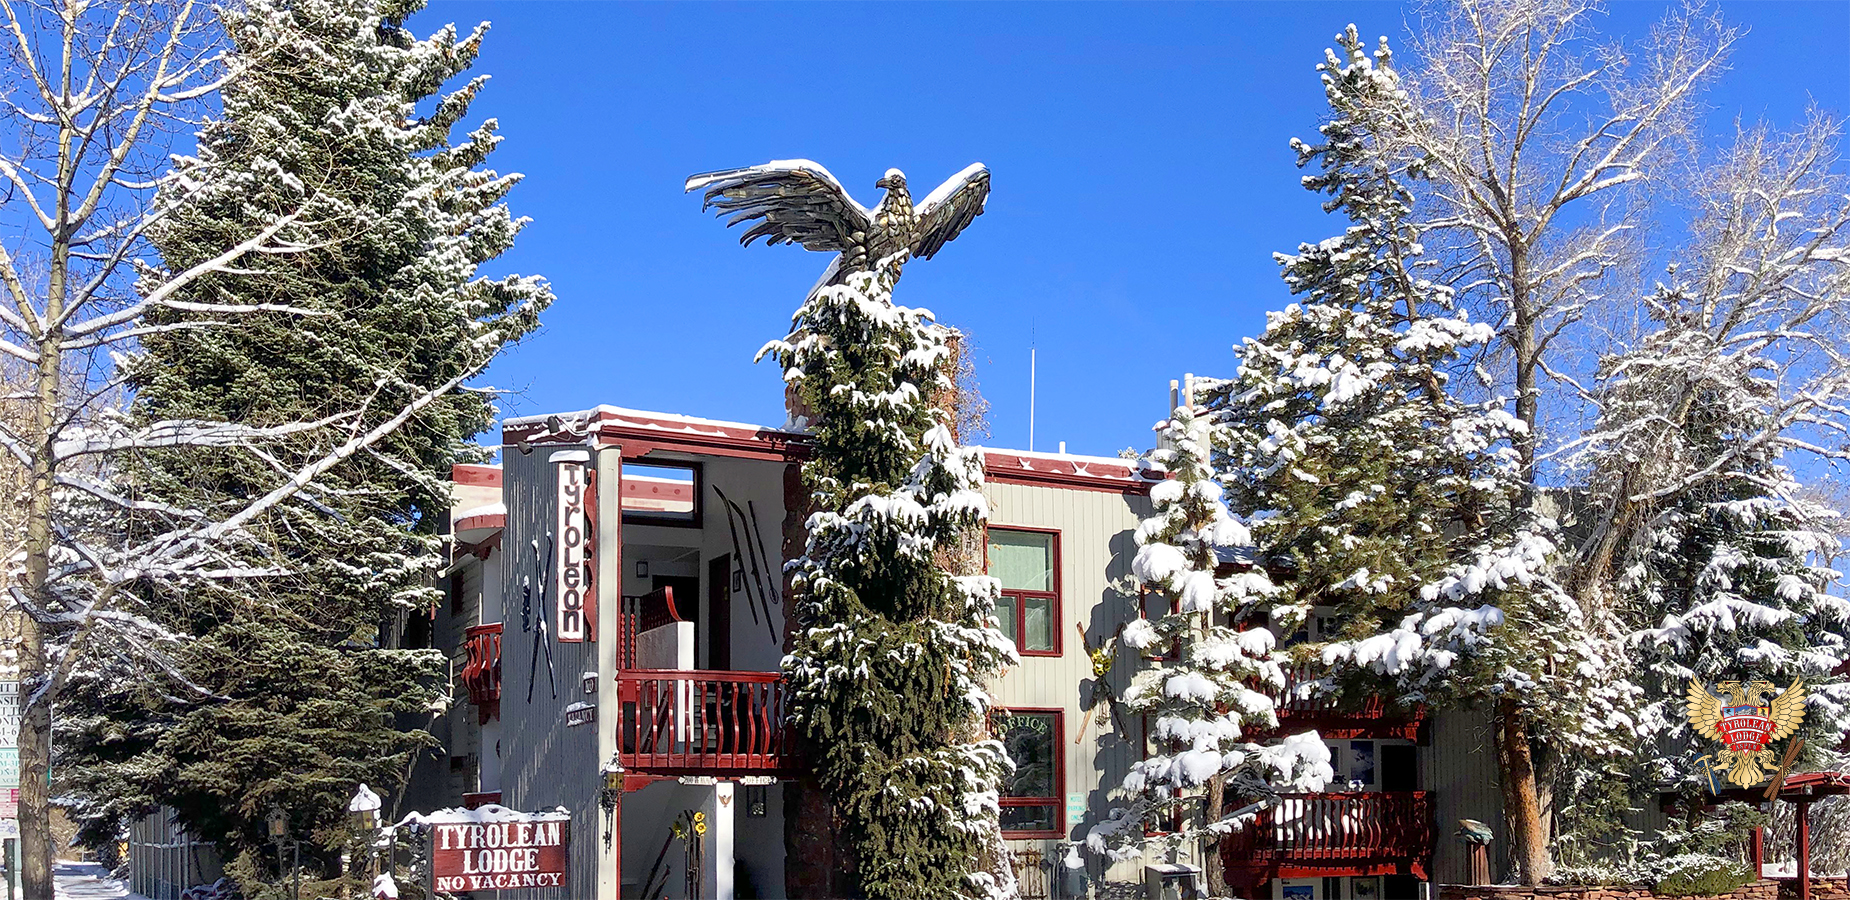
(9, 714)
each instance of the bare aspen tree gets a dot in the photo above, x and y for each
(1532, 134)
(1757, 312)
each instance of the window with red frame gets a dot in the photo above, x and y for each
(1031, 796)
(1028, 565)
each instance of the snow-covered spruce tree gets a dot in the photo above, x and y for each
(293, 693)
(892, 651)
(1204, 772)
(1387, 501)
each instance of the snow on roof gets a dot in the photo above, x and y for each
(493, 509)
(1076, 458)
(1020, 466)
(645, 416)
(489, 812)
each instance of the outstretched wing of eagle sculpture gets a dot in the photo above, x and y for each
(795, 201)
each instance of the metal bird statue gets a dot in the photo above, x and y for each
(795, 201)
(1471, 831)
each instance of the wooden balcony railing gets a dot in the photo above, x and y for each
(701, 722)
(1301, 706)
(1298, 698)
(481, 674)
(1353, 833)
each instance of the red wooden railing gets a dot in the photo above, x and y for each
(1352, 833)
(481, 674)
(1301, 705)
(1298, 698)
(700, 722)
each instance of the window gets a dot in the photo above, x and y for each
(1031, 796)
(1028, 565)
(661, 493)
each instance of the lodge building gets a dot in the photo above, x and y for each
(669, 702)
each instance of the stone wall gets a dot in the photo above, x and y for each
(1759, 890)
(1821, 888)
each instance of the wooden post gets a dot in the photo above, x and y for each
(1756, 851)
(616, 832)
(611, 640)
(1802, 843)
(1480, 864)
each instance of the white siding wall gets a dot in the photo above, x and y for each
(1097, 593)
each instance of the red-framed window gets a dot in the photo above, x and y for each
(1027, 562)
(1031, 805)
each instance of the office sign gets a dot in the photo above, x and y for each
(500, 850)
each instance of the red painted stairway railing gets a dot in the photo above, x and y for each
(481, 674)
(1350, 833)
(701, 722)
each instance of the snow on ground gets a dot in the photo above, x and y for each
(88, 881)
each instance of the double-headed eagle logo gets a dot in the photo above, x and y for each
(1745, 721)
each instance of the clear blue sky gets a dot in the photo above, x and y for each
(1142, 180)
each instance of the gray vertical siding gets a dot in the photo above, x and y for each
(547, 764)
(1461, 767)
(435, 782)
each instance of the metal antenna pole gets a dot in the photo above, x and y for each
(1031, 351)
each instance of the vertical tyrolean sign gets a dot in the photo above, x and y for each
(572, 544)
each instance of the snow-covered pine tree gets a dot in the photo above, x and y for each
(295, 693)
(1205, 775)
(892, 651)
(1394, 506)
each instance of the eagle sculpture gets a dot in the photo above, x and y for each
(1745, 722)
(795, 201)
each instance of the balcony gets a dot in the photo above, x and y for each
(1355, 833)
(481, 675)
(1299, 708)
(696, 722)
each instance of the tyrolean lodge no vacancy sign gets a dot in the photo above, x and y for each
(495, 848)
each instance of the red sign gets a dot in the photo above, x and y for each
(524, 852)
